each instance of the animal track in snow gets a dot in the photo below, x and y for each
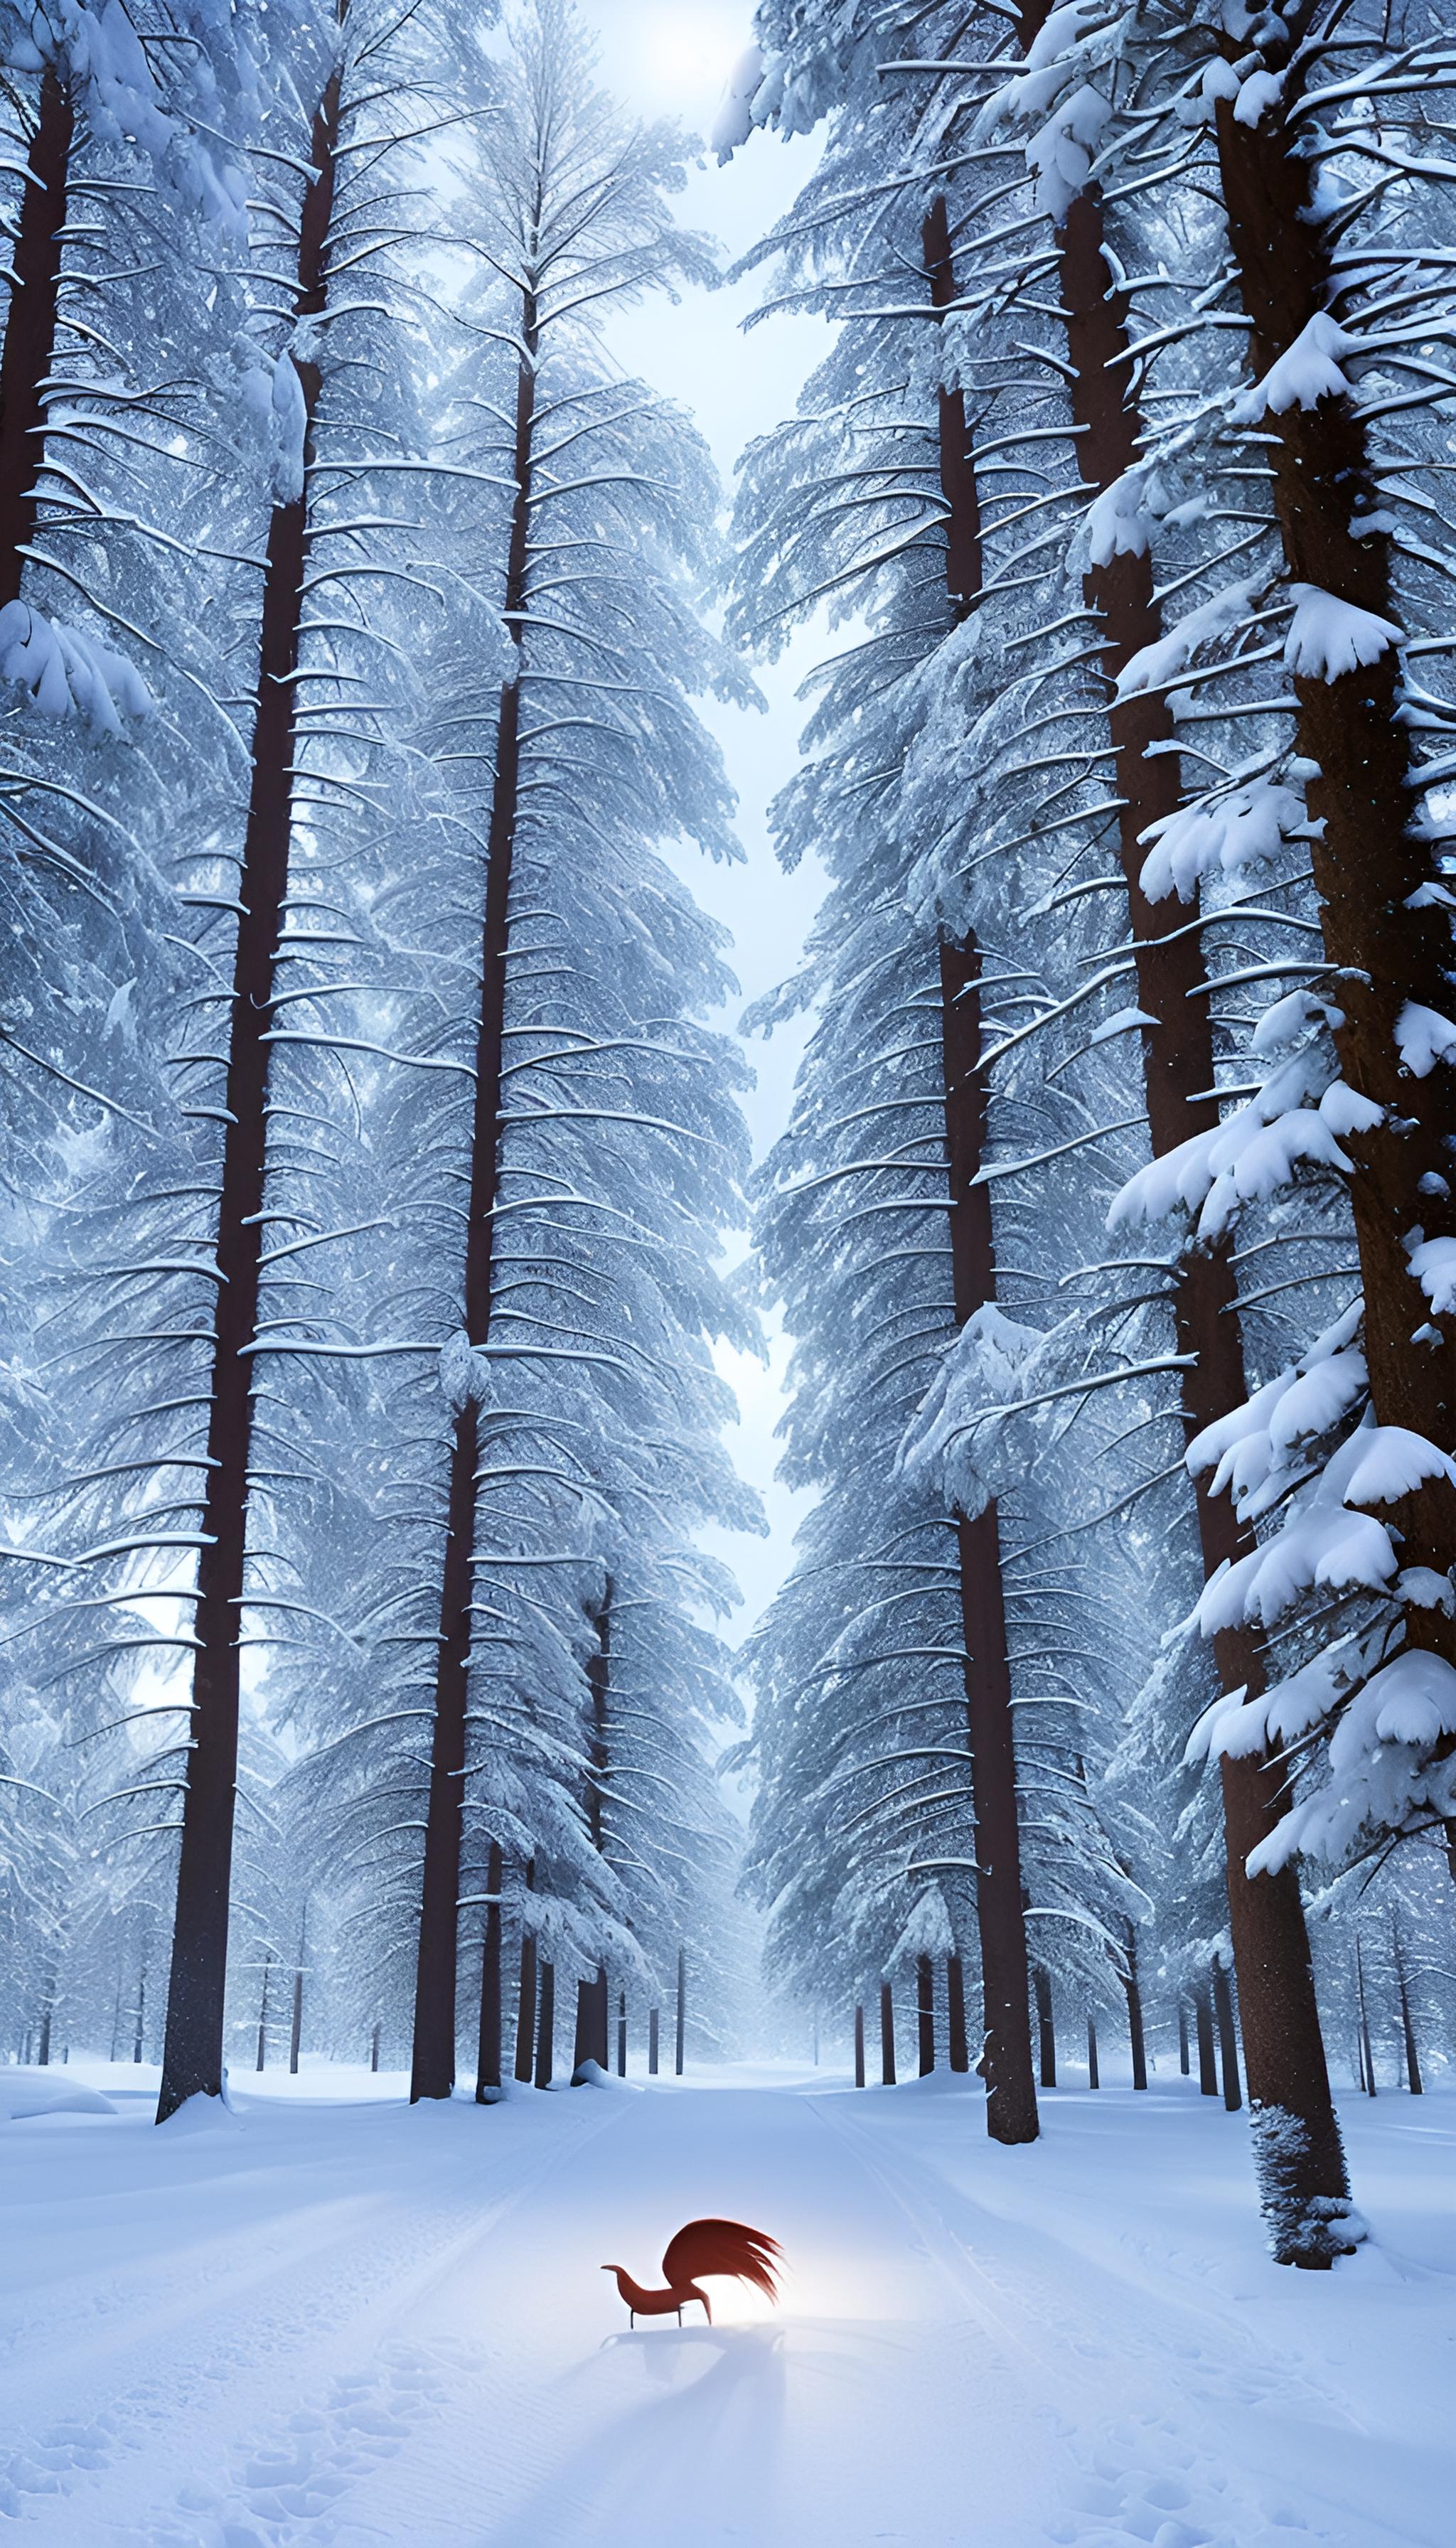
(1147, 2489)
(287, 2483)
(45, 2466)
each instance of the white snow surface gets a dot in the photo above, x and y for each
(329, 2320)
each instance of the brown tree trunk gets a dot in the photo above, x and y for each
(1006, 2060)
(525, 2005)
(1046, 2027)
(1413, 2058)
(546, 2028)
(1005, 2063)
(925, 2013)
(1208, 2068)
(1390, 944)
(1227, 2035)
(1408, 2031)
(593, 2005)
(1134, 1989)
(1300, 2156)
(887, 2035)
(28, 355)
(488, 2081)
(1367, 2049)
(433, 2066)
(958, 2050)
(598, 1681)
(192, 2056)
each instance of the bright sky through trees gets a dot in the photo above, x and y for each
(673, 57)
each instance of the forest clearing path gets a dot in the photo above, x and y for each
(347, 2325)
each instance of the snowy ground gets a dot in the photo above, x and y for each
(334, 2320)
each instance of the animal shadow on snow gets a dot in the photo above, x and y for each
(710, 2441)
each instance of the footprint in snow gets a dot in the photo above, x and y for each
(1146, 2492)
(47, 2465)
(288, 2482)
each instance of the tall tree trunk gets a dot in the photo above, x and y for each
(887, 2035)
(654, 2021)
(296, 2032)
(546, 2028)
(1408, 2031)
(957, 2049)
(488, 2057)
(1300, 2156)
(525, 2009)
(925, 2013)
(593, 2013)
(621, 2035)
(581, 2052)
(1367, 2049)
(1227, 2035)
(1413, 2058)
(374, 2043)
(28, 355)
(681, 2046)
(1389, 937)
(599, 1680)
(525, 2004)
(140, 2038)
(1046, 2027)
(1006, 2062)
(1208, 2068)
(192, 2056)
(1134, 1989)
(858, 2045)
(432, 2072)
(1183, 2038)
(1093, 2076)
(261, 2062)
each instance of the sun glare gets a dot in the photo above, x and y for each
(685, 52)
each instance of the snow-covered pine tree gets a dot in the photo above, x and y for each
(1320, 132)
(109, 780)
(602, 1143)
(323, 399)
(608, 498)
(1347, 405)
(1057, 234)
(871, 498)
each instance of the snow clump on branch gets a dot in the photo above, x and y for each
(68, 673)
